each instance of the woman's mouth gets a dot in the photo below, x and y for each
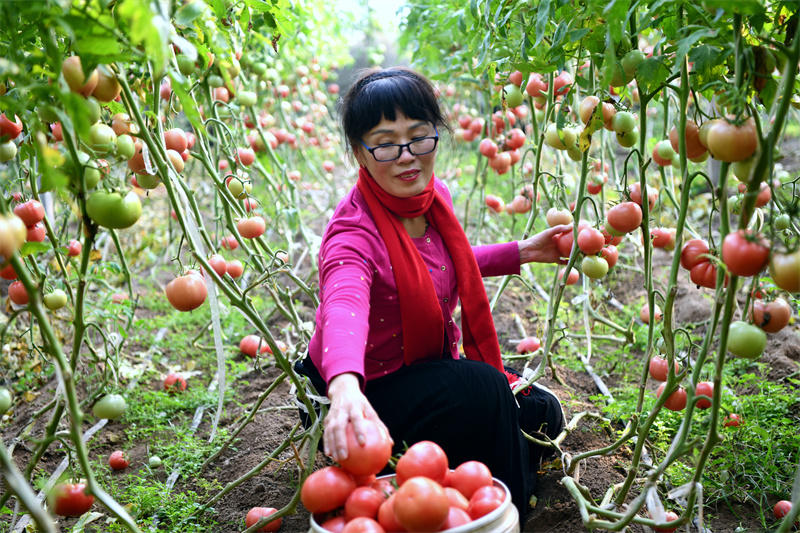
(409, 175)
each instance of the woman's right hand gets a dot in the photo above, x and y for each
(348, 404)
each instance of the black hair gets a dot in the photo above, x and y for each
(382, 93)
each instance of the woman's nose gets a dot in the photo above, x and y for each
(405, 154)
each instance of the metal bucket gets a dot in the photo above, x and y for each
(504, 519)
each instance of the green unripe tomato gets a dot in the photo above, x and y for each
(185, 65)
(623, 122)
(215, 81)
(91, 173)
(154, 462)
(665, 150)
(629, 139)
(125, 147)
(594, 267)
(110, 406)
(782, 222)
(147, 181)
(92, 109)
(552, 138)
(8, 151)
(237, 187)
(743, 169)
(47, 113)
(258, 68)
(735, 205)
(625, 42)
(575, 154)
(112, 210)
(6, 399)
(614, 74)
(247, 98)
(514, 97)
(631, 62)
(746, 340)
(55, 300)
(101, 138)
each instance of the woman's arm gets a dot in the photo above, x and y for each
(505, 259)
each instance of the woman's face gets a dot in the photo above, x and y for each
(409, 174)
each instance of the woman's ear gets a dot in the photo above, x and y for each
(360, 159)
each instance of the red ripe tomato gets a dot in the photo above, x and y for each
(386, 517)
(246, 156)
(74, 248)
(624, 217)
(334, 525)
(515, 138)
(694, 148)
(257, 513)
(363, 501)
(562, 83)
(527, 345)
(659, 368)
(495, 204)
(692, 251)
(372, 456)
(745, 252)
(536, 86)
(456, 499)
(18, 294)
(421, 504)
(731, 142)
(229, 242)
(36, 233)
(488, 148)
(119, 460)
(484, 501)
(644, 313)
(252, 227)
(660, 161)
(660, 237)
(186, 293)
(249, 345)
(9, 130)
(564, 242)
(671, 517)
(764, 193)
(8, 273)
(590, 241)
(31, 212)
(69, 499)
(704, 388)
(119, 297)
(676, 400)
(175, 139)
(326, 489)
(782, 509)
(572, 278)
(469, 477)
(384, 486)
(424, 458)
(363, 525)
(235, 268)
(732, 420)
(635, 192)
(174, 383)
(704, 274)
(218, 264)
(773, 316)
(456, 517)
(365, 481)
(610, 254)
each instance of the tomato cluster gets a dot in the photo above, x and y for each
(423, 495)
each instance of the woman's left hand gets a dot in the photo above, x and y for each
(541, 248)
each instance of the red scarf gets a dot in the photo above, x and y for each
(423, 324)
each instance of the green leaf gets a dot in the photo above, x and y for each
(542, 18)
(651, 73)
(190, 12)
(685, 44)
(744, 7)
(97, 46)
(34, 247)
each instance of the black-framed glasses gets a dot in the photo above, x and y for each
(390, 152)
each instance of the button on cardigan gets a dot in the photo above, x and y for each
(358, 326)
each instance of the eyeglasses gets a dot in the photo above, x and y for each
(390, 152)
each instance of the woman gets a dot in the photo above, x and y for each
(394, 260)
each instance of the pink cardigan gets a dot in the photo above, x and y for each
(358, 327)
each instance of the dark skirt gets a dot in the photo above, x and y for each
(467, 408)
